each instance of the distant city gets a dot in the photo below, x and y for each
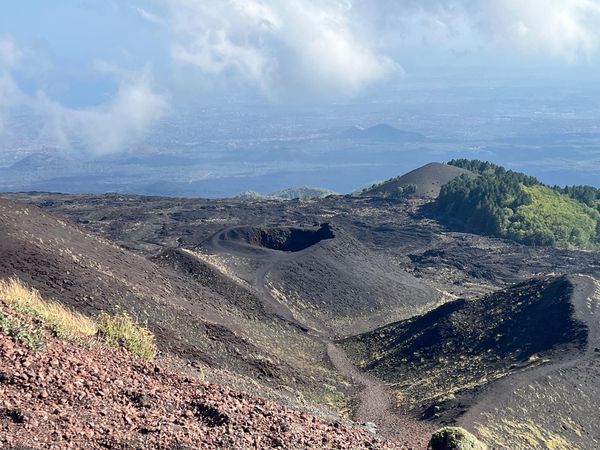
(222, 150)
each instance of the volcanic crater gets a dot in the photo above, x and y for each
(286, 239)
(447, 327)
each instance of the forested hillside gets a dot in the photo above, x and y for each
(510, 204)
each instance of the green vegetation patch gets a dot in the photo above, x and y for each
(516, 206)
(122, 330)
(115, 330)
(454, 438)
(584, 194)
(553, 218)
(21, 331)
(64, 322)
(384, 191)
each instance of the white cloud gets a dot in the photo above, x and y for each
(109, 127)
(568, 29)
(10, 94)
(104, 128)
(150, 16)
(10, 54)
(339, 47)
(301, 49)
(286, 48)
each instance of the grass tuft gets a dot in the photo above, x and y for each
(64, 322)
(121, 329)
(21, 331)
(115, 330)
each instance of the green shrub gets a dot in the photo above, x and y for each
(121, 330)
(454, 438)
(21, 331)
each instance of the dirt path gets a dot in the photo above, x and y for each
(373, 401)
(376, 403)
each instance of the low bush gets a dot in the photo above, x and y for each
(64, 322)
(21, 331)
(121, 330)
(454, 438)
(115, 330)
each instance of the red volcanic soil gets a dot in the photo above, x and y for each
(69, 396)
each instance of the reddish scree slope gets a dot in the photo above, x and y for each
(67, 396)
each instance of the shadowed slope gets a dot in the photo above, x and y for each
(343, 287)
(465, 345)
(286, 239)
(326, 280)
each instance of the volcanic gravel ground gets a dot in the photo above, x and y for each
(402, 234)
(376, 403)
(373, 401)
(68, 396)
(463, 264)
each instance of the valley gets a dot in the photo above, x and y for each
(363, 307)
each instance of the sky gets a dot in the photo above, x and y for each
(99, 74)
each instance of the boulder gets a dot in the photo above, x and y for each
(454, 438)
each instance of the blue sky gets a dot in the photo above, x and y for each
(65, 38)
(120, 66)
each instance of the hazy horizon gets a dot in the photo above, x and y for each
(181, 97)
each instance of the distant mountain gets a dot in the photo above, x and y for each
(251, 195)
(290, 193)
(302, 192)
(425, 181)
(383, 132)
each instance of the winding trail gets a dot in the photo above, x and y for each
(373, 400)
(376, 403)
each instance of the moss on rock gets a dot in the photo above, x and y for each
(454, 438)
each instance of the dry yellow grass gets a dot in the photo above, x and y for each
(122, 330)
(115, 330)
(62, 320)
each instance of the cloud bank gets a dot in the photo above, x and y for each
(109, 127)
(285, 48)
(101, 129)
(340, 47)
(567, 29)
(292, 50)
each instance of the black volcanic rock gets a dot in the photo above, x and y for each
(195, 313)
(286, 239)
(468, 343)
(516, 367)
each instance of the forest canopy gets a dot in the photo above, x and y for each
(516, 206)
